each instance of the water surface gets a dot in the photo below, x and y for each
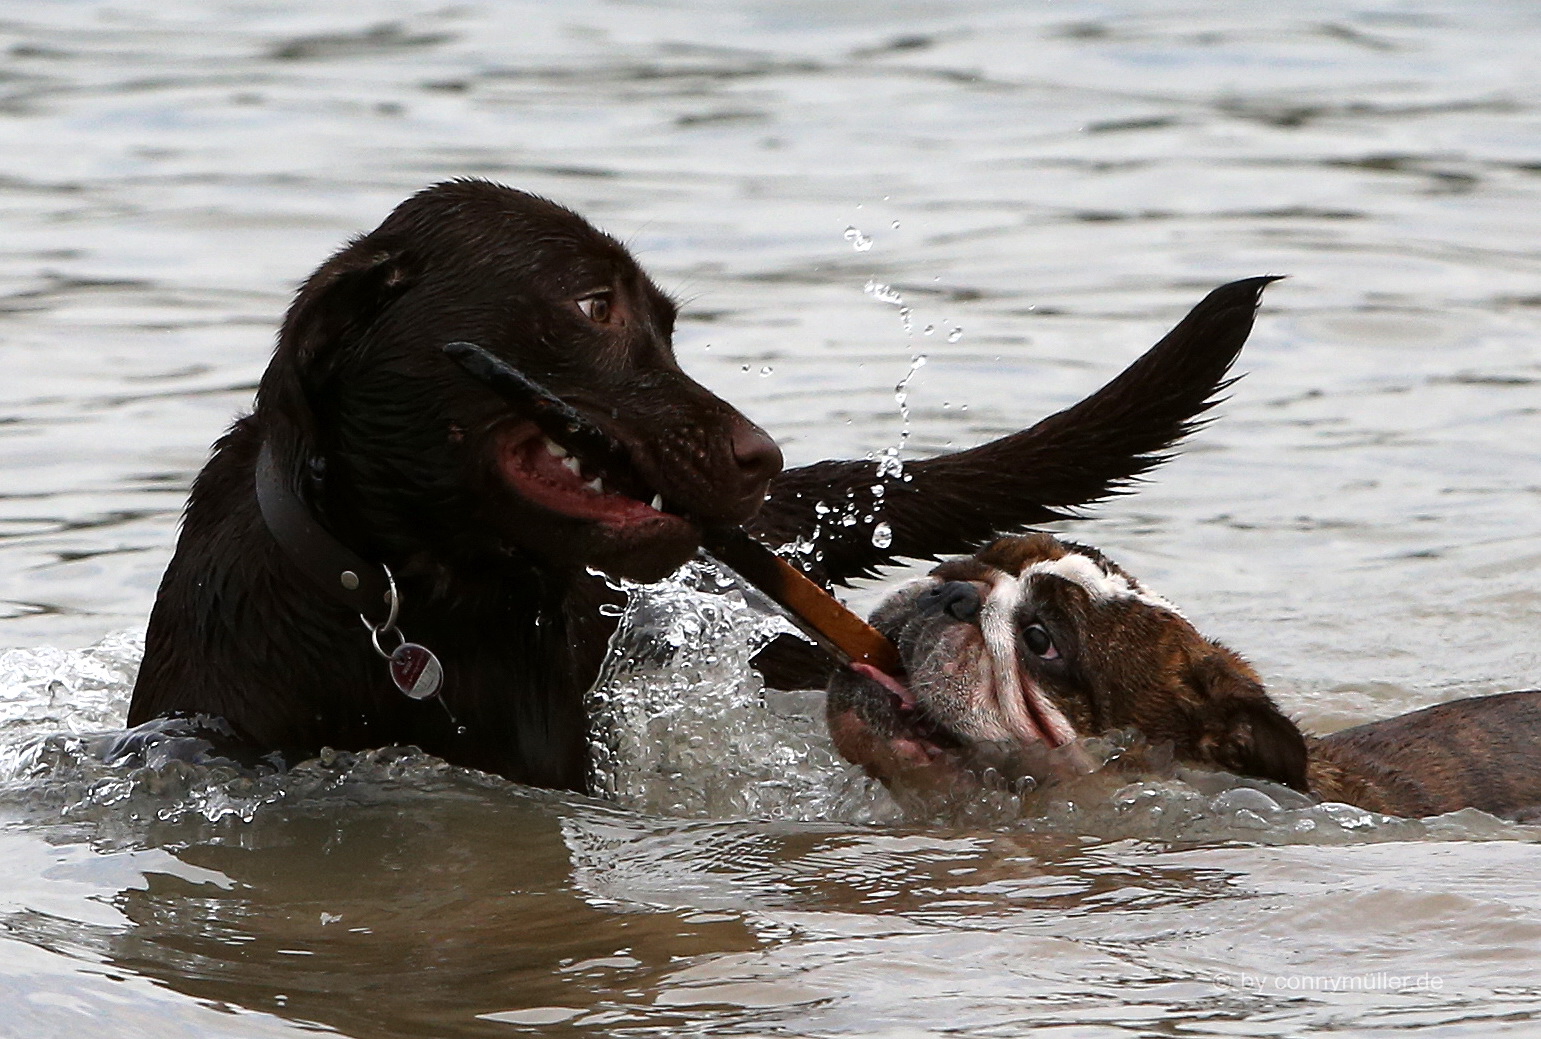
(1046, 188)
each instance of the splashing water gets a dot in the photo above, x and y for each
(883, 293)
(1198, 806)
(902, 394)
(889, 464)
(683, 726)
(76, 690)
(860, 242)
(60, 708)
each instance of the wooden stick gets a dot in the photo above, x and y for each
(819, 615)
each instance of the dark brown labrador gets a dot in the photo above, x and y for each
(373, 452)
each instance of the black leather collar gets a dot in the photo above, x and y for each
(333, 567)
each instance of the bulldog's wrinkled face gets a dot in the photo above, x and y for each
(1016, 652)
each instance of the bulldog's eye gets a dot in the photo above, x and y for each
(1039, 642)
(597, 308)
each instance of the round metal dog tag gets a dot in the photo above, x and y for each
(416, 671)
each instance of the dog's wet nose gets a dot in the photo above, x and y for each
(958, 599)
(756, 453)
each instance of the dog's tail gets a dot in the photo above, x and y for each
(1088, 452)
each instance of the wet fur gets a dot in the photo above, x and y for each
(396, 452)
(1130, 662)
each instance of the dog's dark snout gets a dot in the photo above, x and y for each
(957, 599)
(756, 453)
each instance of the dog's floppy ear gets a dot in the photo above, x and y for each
(333, 309)
(1236, 727)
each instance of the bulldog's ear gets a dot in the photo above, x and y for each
(1236, 727)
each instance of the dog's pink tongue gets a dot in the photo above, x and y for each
(887, 681)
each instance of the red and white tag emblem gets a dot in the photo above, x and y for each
(416, 671)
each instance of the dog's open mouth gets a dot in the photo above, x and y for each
(960, 706)
(549, 475)
(911, 731)
(915, 746)
(983, 677)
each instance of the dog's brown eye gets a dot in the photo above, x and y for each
(596, 308)
(1039, 642)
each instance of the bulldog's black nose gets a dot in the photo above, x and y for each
(957, 599)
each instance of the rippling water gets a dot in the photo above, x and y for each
(1044, 188)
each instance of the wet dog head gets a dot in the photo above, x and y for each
(406, 456)
(1035, 642)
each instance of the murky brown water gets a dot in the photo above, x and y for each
(1048, 187)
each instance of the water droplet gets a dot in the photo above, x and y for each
(902, 387)
(765, 370)
(928, 330)
(955, 335)
(860, 242)
(895, 225)
(882, 293)
(878, 490)
(882, 536)
(743, 368)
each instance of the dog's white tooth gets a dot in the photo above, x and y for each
(571, 464)
(596, 485)
(554, 449)
(657, 503)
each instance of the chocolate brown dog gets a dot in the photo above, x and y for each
(1035, 642)
(386, 551)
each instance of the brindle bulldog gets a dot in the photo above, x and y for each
(1011, 655)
